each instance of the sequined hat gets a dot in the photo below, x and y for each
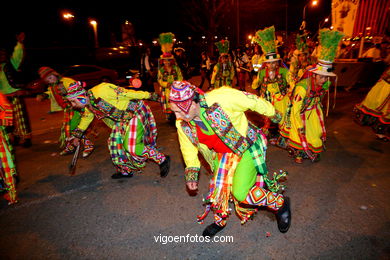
(182, 93)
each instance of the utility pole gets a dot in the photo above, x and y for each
(238, 21)
(286, 19)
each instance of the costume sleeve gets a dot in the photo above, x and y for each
(135, 94)
(259, 79)
(86, 118)
(240, 101)
(289, 79)
(215, 71)
(17, 56)
(297, 103)
(190, 155)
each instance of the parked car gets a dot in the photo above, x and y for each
(91, 74)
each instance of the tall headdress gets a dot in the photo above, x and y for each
(181, 94)
(223, 47)
(166, 42)
(266, 39)
(329, 41)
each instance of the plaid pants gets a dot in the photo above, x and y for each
(7, 167)
(21, 124)
(128, 151)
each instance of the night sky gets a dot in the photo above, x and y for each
(44, 26)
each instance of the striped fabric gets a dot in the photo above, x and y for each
(65, 130)
(220, 188)
(21, 123)
(8, 169)
(124, 133)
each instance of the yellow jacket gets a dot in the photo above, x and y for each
(234, 103)
(117, 96)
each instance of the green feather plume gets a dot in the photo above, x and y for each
(222, 46)
(329, 41)
(166, 41)
(266, 39)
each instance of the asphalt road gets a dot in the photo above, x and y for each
(340, 205)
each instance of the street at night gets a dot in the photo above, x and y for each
(339, 205)
(186, 129)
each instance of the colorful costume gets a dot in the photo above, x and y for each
(72, 116)
(7, 166)
(22, 129)
(272, 81)
(298, 67)
(167, 74)
(233, 147)
(303, 132)
(375, 109)
(223, 71)
(133, 136)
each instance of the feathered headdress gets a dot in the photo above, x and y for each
(266, 39)
(329, 41)
(223, 47)
(166, 42)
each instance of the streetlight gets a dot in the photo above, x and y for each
(322, 23)
(68, 16)
(94, 26)
(313, 3)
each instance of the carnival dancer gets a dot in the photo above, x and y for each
(57, 88)
(300, 60)
(168, 72)
(223, 71)
(215, 125)
(303, 132)
(9, 87)
(7, 166)
(273, 81)
(133, 137)
(374, 110)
